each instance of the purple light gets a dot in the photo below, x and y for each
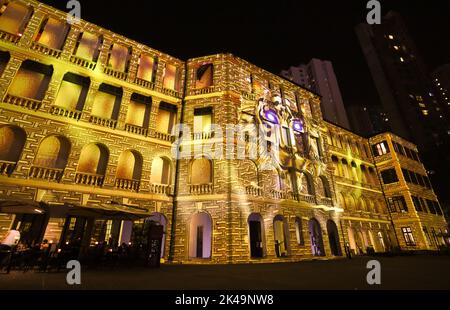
(298, 125)
(271, 116)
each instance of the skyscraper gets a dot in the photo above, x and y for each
(318, 75)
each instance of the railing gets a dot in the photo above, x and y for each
(160, 189)
(248, 96)
(51, 174)
(145, 83)
(253, 190)
(201, 188)
(136, 129)
(28, 103)
(202, 91)
(107, 122)
(277, 194)
(88, 64)
(65, 112)
(117, 74)
(128, 184)
(203, 135)
(307, 198)
(89, 178)
(7, 167)
(45, 49)
(13, 38)
(171, 92)
(325, 201)
(162, 136)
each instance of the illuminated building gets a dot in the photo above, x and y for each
(86, 133)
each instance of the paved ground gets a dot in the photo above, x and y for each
(412, 272)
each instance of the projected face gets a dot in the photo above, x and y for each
(271, 116)
(297, 125)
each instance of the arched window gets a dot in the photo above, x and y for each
(281, 233)
(256, 235)
(200, 235)
(307, 183)
(201, 171)
(333, 238)
(129, 170)
(299, 231)
(161, 171)
(92, 164)
(325, 187)
(12, 141)
(345, 172)
(315, 233)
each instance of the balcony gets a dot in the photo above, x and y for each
(127, 184)
(307, 198)
(253, 190)
(202, 91)
(136, 129)
(7, 167)
(160, 189)
(171, 92)
(106, 122)
(249, 96)
(45, 173)
(45, 49)
(277, 194)
(202, 135)
(23, 102)
(162, 136)
(9, 37)
(83, 62)
(199, 189)
(89, 179)
(326, 201)
(145, 83)
(114, 73)
(65, 112)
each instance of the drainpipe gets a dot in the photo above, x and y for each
(177, 171)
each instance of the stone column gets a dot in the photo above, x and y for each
(70, 43)
(52, 90)
(87, 109)
(153, 114)
(11, 69)
(134, 64)
(32, 28)
(126, 96)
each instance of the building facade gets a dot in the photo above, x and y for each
(100, 135)
(318, 76)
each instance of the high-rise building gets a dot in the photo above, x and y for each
(368, 120)
(318, 76)
(441, 80)
(403, 82)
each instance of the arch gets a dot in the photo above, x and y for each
(352, 239)
(333, 238)
(337, 168)
(12, 141)
(201, 171)
(345, 171)
(161, 220)
(326, 192)
(362, 204)
(129, 166)
(351, 202)
(307, 183)
(93, 159)
(161, 172)
(281, 233)
(256, 235)
(299, 231)
(200, 235)
(315, 233)
(53, 152)
(342, 201)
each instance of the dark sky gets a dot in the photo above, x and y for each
(272, 34)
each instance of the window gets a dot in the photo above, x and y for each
(31, 81)
(52, 33)
(147, 68)
(427, 182)
(72, 93)
(389, 176)
(431, 206)
(397, 204)
(421, 180)
(414, 178)
(119, 57)
(14, 18)
(380, 148)
(286, 136)
(202, 120)
(204, 76)
(423, 204)
(417, 204)
(408, 235)
(165, 118)
(88, 46)
(406, 175)
(170, 77)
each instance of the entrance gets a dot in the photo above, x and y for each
(333, 238)
(316, 238)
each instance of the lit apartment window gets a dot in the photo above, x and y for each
(204, 76)
(170, 77)
(391, 37)
(147, 68)
(202, 120)
(88, 46)
(389, 176)
(119, 57)
(14, 18)
(52, 33)
(408, 235)
(380, 148)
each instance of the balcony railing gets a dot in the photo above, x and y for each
(117, 74)
(277, 194)
(65, 112)
(325, 201)
(28, 103)
(160, 189)
(136, 129)
(145, 83)
(45, 49)
(253, 190)
(89, 178)
(7, 167)
(307, 198)
(13, 38)
(88, 64)
(162, 136)
(107, 122)
(202, 91)
(51, 174)
(171, 92)
(204, 135)
(198, 189)
(128, 184)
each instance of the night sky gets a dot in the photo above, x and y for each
(272, 34)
